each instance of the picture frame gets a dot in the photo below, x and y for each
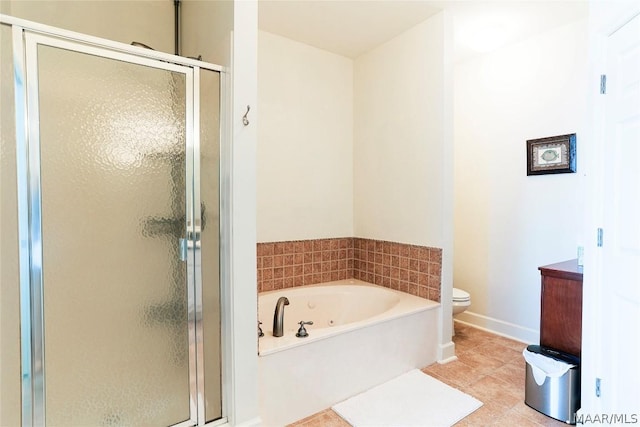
(554, 154)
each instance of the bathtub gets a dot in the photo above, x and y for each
(362, 335)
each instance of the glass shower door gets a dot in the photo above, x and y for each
(115, 195)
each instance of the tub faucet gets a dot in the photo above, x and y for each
(278, 317)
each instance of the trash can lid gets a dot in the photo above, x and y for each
(554, 354)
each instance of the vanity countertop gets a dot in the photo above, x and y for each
(564, 270)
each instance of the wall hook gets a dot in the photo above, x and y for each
(245, 120)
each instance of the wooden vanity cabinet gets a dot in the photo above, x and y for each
(561, 307)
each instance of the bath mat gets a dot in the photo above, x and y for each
(412, 399)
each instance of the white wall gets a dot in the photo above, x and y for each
(508, 224)
(398, 138)
(240, 296)
(403, 147)
(147, 21)
(206, 29)
(304, 169)
(352, 147)
(205, 25)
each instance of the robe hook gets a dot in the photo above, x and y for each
(245, 120)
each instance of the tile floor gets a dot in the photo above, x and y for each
(489, 368)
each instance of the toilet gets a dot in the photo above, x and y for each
(461, 301)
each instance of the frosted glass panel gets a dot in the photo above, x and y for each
(210, 195)
(113, 211)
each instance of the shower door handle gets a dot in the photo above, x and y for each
(183, 249)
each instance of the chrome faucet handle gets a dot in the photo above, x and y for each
(302, 332)
(260, 333)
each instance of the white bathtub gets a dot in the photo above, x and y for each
(362, 335)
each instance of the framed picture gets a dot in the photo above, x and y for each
(555, 154)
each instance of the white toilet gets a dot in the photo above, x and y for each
(461, 301)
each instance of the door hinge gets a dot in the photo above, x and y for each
(598, 387)
(603, 84)
(599, 237)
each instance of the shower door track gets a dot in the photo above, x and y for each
(26, 37)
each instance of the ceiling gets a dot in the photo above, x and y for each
(353, 27)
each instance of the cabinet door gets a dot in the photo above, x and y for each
(561, 315)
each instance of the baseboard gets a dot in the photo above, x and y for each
(446, 353)
(448, 360)
(499, 327)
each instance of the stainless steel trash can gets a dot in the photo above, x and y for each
(557, 397)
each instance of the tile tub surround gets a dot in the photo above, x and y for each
(303, 262)
(408, 268)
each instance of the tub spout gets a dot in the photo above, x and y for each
(278, 317)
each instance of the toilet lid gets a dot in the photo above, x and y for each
(460, 295)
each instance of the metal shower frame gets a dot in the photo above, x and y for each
(26, 37)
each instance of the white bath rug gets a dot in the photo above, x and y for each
(412, 399)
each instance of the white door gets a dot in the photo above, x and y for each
(620, 252)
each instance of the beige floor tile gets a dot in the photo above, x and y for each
(493, 390)
(536, 416)
(331, 419)
(456, 373)
(500, 352)
(465, 329)
(486, 415)
(468, 338)
(479, 362)
(326, 418)
(515, 418)
(463, 346)
(512, 375)
(506, 342)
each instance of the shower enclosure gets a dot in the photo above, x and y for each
(114, 153)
